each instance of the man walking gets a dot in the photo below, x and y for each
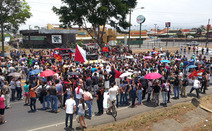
(100, 98)
(196, 85)
(70, 108)
(87, 96)
(53, 96)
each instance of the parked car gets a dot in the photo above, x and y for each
(192, 43)
(64, 51)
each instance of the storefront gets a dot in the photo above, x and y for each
(48, 38)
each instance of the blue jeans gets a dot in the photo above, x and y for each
(149, 97)
(121, 98)
(164, 95)
(176, 92)
(45, 99)
(117, 101)
(71, 120)
(77, 103)
(54, 100)
(125, 96)
(133, 94)
(89, 103)
(33, 103)
(139, 96)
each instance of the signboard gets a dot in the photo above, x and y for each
(82, 33)
(140, 19)
(7, 39)
(56, 39)
(168, 24)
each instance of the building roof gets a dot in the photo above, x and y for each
(45, 31)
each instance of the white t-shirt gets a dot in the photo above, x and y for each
(81, 110)
(79, 96)
(113, 92)
(70, 103)
(196, 84)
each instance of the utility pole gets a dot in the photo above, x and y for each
(129, 31)
(208, 26)
(2, 30)
(155, 33)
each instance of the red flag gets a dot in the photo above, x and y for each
(200, 71)
(58, 57)
(194, 73)
(80, 54)
(105, 49)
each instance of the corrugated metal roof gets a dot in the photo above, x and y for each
(45, 31)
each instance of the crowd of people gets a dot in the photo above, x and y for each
(74, 85)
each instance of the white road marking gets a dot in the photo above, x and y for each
(60, 123)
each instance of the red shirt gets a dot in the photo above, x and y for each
(117, 74)
(2, 106)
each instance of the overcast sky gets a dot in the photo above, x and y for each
(181, 13)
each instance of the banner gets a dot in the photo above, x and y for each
(58, 57)
(194, 73)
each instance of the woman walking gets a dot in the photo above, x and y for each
(133, 89)
(156, 91)
(2, 108)
(81, 113)
(33, 97)
(26, 93)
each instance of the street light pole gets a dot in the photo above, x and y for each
(2, 30)
(206, 44)
(129, 30)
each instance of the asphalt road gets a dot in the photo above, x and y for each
(19, 119)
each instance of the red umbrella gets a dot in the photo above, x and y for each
(47, 73)
(153, 76)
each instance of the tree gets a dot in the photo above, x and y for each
(97, 13)
(13, 13)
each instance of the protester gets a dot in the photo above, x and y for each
(196, 86)
(32, 94)
(81, 113)
(100, 98)
(87, 96)
(2, 108)
(26, 93)
(6, 93)
(156, 90)
(70, 108)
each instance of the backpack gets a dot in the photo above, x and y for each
(186, 82)
(176, 81)
(43, 91)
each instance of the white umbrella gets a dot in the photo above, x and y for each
(126, 74)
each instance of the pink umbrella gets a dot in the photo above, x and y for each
(147, 57)
(47, 73)
(153, 76)
(178, 59)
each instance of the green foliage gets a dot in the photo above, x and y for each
(95, 12)
(6, 35)
(14, 13)
(77, 43)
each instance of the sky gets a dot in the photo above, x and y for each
(181, 13)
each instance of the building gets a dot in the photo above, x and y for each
(45, 38)
(110, 35)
